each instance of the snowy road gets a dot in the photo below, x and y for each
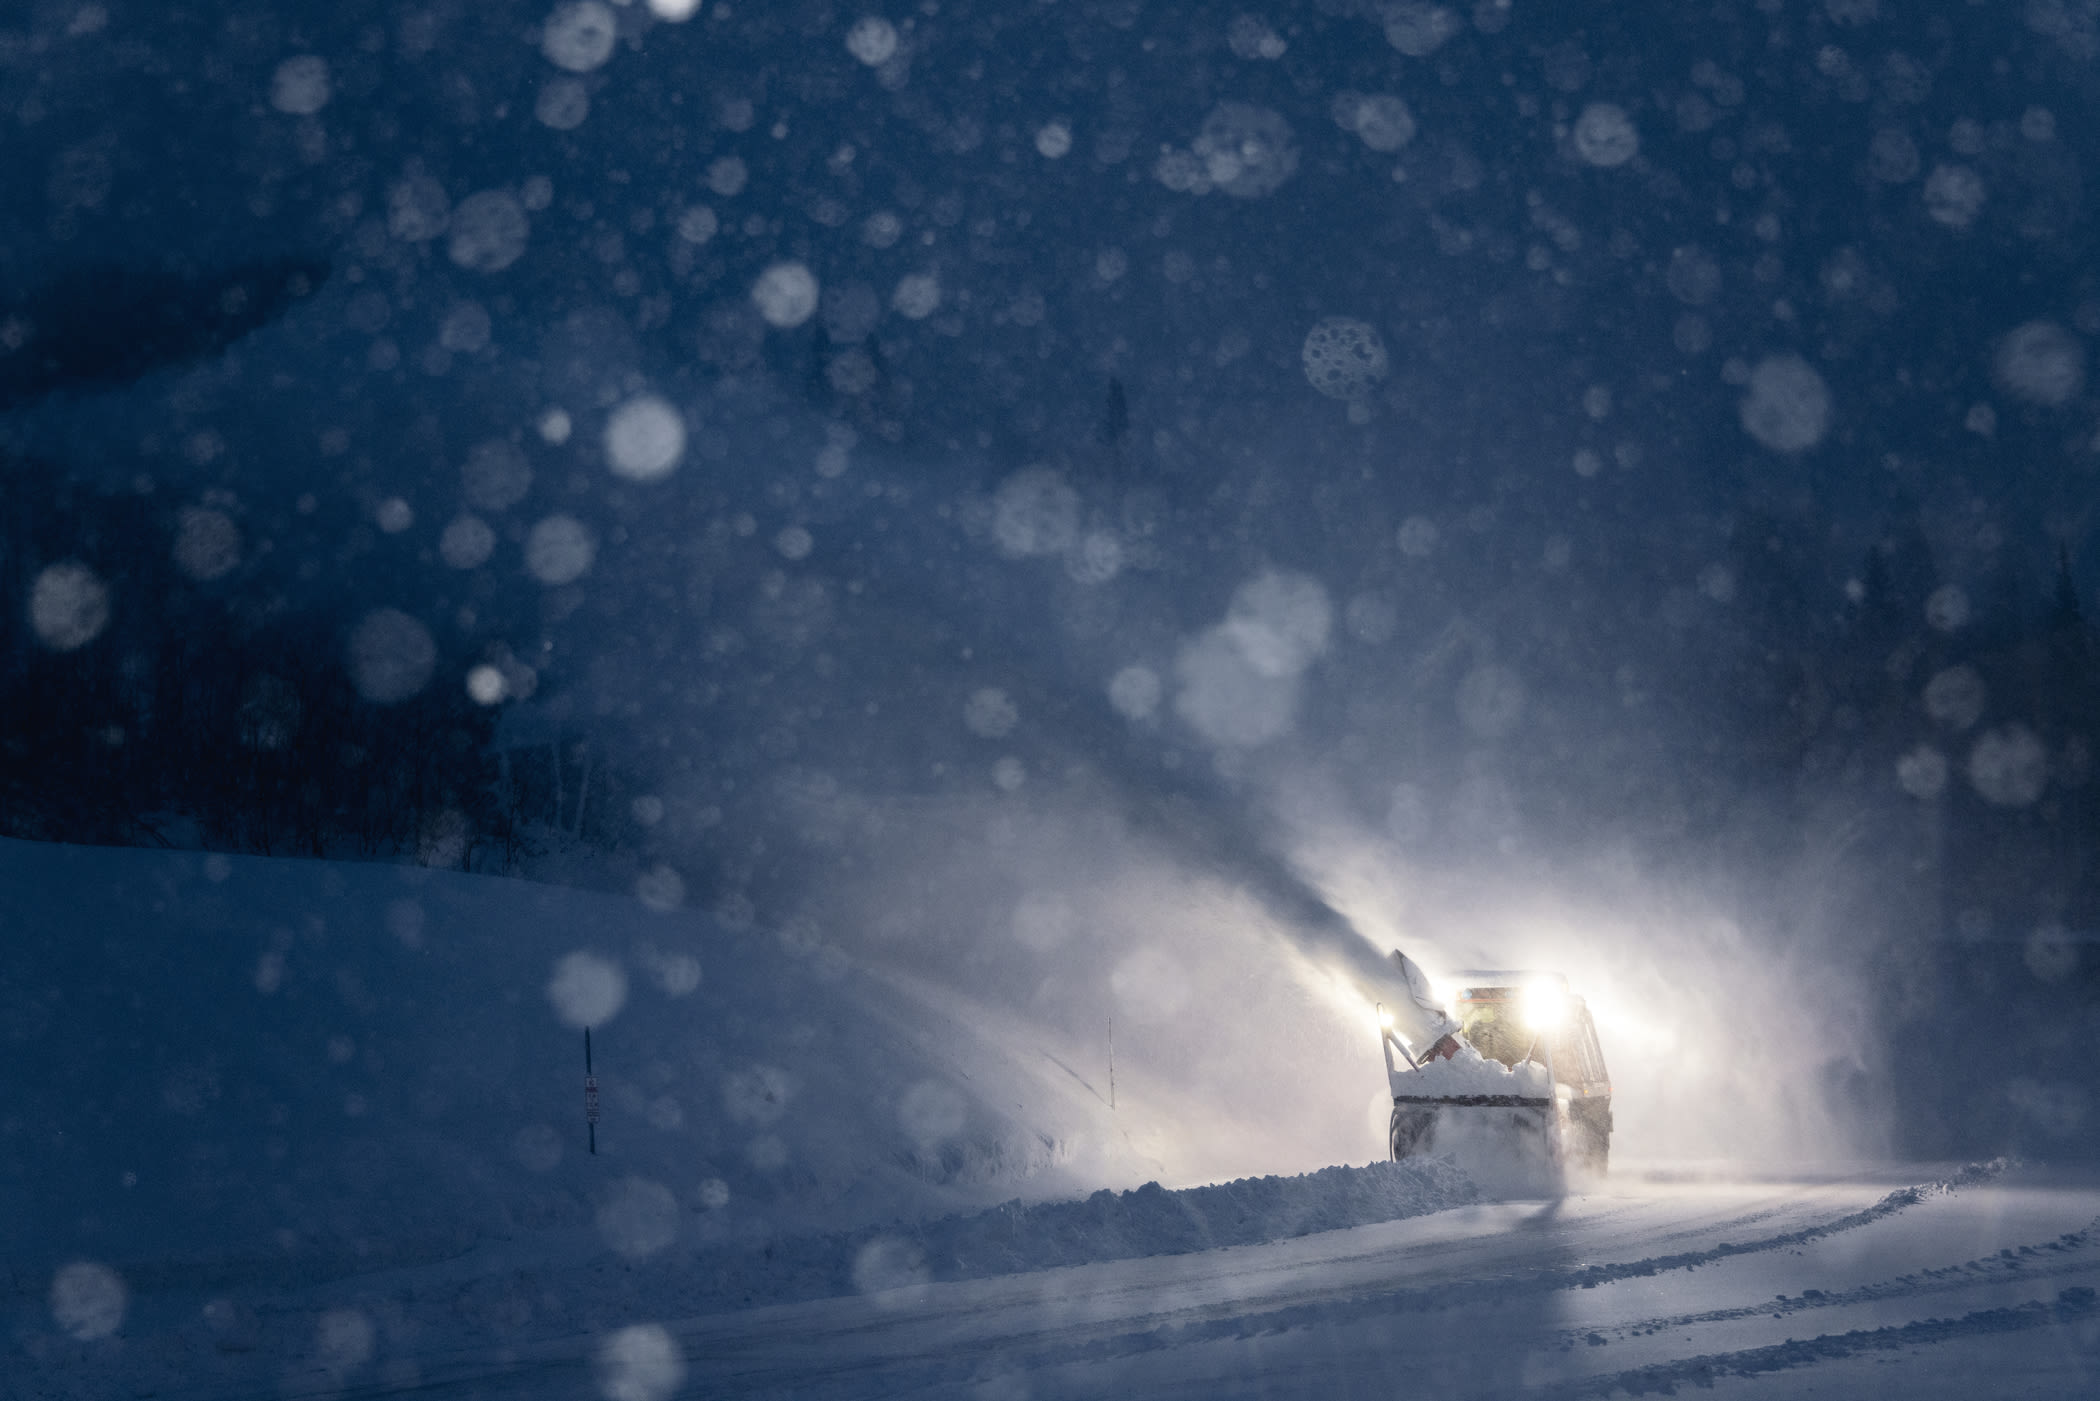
(1763, 1289)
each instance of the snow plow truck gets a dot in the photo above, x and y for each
(1508, 1056)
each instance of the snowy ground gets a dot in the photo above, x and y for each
(292, 1129)
(1978, 1283)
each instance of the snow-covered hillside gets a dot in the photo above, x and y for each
(250, 1059)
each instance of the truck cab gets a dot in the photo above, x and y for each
(1514, 1016)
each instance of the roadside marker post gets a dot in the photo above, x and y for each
(590, 1092)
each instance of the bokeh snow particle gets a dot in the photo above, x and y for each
(698, 224)
(300, 87)
(1034, 513)
(1380, 120)
(392, 656)
(1279, 622)
(990, 713)
(88, 1300)
(1251, 38)
(1225, 699)
(1151, 985)
(1605, 136)
(1490, 701)
(713, 1193)
(579, 36)
(757, 1094)
(794, 543)
(872, 40)
(641, 1362)
(931, 1113)
(786, 295)
(207, 543)
(560, 550)
(537, 1147)
(586, 990)
(886, 1265)
(489, 231)
(467, 542)
(638, 1218)
(660, 887)
(644, 439)
(727, 175)
(393, 515)
(2050, 953)
(1954, 195)
(563, 104)
(917, 297)
(674, 11)
(405, 920)
(1053, 141)
(343, 1340)
(1787, 405)
(1922, 772)
(496, 475)
(1417, 537)
(1095, 558)
(1694, 277)
(1892, 156)
(1419, 30)
(1955, 697)
(1135, 691)
(676, 974)
(1947, 608)
(68, 606)
(465, 329)
(1009, 774)
(2009, 767)
(2042, 363)
(1246, 151)
(1343, 357)
(417, 209)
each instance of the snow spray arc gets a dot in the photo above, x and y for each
(590, 1093)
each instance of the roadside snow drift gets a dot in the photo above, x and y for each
(243, 1060)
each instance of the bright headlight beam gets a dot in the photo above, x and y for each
(1544, 1006)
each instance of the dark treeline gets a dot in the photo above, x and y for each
(1978, 708)
(1936, 743)
(211, 712)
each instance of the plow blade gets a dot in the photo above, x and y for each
(1512, 1129)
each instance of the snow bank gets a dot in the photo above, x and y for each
(1471, 1073)
(245, 1068)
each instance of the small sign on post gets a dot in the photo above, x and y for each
(590, 1092)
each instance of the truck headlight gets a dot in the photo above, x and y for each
(1544, 1006)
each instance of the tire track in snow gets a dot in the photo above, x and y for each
(1097, 1344)
(2070, 1306)
(1457, 1294)
(1988, 1269)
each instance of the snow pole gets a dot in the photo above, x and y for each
(1111, 1060)
(590, 1092)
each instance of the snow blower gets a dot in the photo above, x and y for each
(1509, 1061)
